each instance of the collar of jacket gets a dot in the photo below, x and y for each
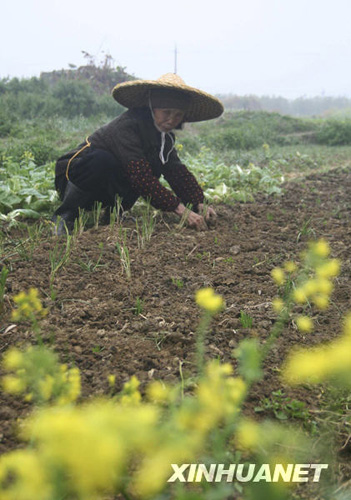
(163, 141)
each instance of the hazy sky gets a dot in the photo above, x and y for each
(272, 47)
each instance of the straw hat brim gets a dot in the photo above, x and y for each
(135, 94)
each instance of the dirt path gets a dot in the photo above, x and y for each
(93, 322)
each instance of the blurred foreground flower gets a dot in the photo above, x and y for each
(304, 324)
(330, 362)
(207, 299)
(37, 374)
(29, 306)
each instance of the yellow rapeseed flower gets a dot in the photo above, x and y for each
(74, 384)
(215, 371)
(304, 324)
(12, 359)
(131, 399)
(13, 385)
(247, 435)
(70, 385)
(299, 295)
(24, 476)
(207, 299)
(130, 394)
(132, 384)
(157, 391)
(329, 269)
(152, 476)
(306, 366)
(290, 266)
(310, 287)
(236, 389)
(29, 306)
(111, 380)
(320, 363)
(321, 301)
(46, 386)
(218, 394)
(320, 248)
(324, 286)
(91, 444)
(278, 275)
(278, 305)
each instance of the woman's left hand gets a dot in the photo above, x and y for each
(208, 213)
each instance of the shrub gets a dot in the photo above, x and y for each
(335, 133)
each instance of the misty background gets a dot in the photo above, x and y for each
(288, 56)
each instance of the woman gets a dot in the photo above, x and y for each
(127, 156)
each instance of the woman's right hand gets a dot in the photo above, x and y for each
(193, 219)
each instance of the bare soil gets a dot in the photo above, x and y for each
(94, 325)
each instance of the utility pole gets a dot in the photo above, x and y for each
(175, 59)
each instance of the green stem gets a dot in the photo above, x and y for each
(200, 341)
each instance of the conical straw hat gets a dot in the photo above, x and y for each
(135, 94)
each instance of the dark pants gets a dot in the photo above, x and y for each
(98, 173)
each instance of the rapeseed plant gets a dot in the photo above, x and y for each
(126, 444)
(90, 450)
(36, 374)
(329, 362)
(314, 286)
(308, 284)
(29, 308)
(210, 303)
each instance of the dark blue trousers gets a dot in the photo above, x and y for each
(98, 173)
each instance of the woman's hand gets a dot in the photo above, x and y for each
(194, 220)
(208, 213)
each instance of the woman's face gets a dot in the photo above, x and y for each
(167, 119)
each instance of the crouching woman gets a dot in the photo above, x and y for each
(127, 156)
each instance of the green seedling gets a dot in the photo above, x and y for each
(179, 283)
(138, 308)
(97, 349)
(245, 320)
(123, 253)
(96, 213)
(115, 214)
(184, 218)
(146, 228)
(160, 337)
(80, 223)
(58, 257)
(25, 250)
(89, 265)
(229, 260)
(306, 230)
(203, 255)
